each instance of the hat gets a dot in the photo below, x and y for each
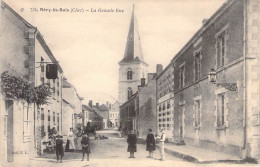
(162, 129)
(59, 136)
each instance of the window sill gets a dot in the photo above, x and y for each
(221, 127)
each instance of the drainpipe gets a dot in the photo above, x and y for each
(244, 75)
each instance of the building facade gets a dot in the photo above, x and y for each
(222, 116)
(146, 117)
(72, 108)
(24, 54)
(114, 115)
(128, 114)
(165, 101)
(132, 67)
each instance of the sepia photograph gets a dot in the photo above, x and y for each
(144, 83)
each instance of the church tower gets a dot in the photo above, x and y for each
(132, 67)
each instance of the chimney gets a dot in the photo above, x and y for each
(159, 69)
(204, 21)
(151, 76)
(97, 105)
(142, 82)
(110, 106)
(90, 103)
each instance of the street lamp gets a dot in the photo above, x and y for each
(212, 76)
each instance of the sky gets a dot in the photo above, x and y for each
(89, 45)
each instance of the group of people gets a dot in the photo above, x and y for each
(83, 140)
(80, 142)
(150, 143)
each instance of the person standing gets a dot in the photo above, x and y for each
(161, 140)
(59, 148)
(71, 144)
(131, 140)
(150, 143)
(85, 146)
(78, 139)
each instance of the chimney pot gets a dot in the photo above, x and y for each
(204, 21)
(90, 103)
(159, 69)
(142, 82)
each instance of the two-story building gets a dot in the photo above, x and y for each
(25, 54)
(72, 116)
(165, 100)
(221, 113)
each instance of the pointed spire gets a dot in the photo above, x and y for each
(133, 50)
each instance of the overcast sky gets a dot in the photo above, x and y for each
(89, 45)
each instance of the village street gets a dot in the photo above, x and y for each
(112, 152)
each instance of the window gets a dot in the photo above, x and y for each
(168, 105)
(58, 84)
(42, 119)
(221, 110)
(58, 122)
(163, 106)
(53, 116)
(129, 74)
(26, 124)
(197, 113)
(49, 121)
(182, 76)
(53, 86)
(221, 46)
(129, 93)
(197, 63)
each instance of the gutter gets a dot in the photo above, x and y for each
(245, 77)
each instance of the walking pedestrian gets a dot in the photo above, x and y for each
(132, 140)
(161, 140)
(85, 146)
(59, 148)
(150, 143)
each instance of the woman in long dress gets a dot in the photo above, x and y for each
(150, 143)
(78, 139)
(71, 140)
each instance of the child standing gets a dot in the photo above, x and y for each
(85, 146)
(59, 148)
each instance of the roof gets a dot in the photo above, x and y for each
(101, 114)
(103, 107)
(133, 50)
(17, 15)
(220, 10)
(38, 36)
(87, 108)
(47, 50)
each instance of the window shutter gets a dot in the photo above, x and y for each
(193, 115)
(215, 112)
(226, 110)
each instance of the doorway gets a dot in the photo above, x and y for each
(181, 121)
(9, 134)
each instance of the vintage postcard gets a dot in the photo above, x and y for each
(130, 83)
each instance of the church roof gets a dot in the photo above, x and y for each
(133, 50)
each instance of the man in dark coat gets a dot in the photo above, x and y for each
(59, 148)
(150, 143)
(131, 140)
(85, 146)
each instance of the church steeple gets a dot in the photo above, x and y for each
(133, 50)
